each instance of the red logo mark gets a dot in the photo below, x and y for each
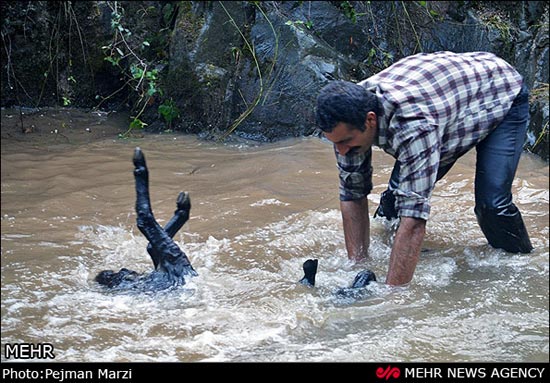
(389, 372)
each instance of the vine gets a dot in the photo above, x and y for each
(139, 77)
(252, 51)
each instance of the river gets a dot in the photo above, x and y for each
(258, 212)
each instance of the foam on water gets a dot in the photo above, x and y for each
(247, 311)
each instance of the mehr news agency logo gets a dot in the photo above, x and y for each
(391, 373)
(29, 351)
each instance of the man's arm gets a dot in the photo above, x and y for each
(355, 217)
(406, 250)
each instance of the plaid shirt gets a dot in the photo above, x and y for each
(436, 107)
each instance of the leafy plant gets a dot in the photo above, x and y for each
(127, 53)
(349, 11)
(432, 13)
(169, 111)
(135, 124)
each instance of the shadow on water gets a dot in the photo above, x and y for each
(259, 211)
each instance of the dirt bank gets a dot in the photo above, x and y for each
(47, 127)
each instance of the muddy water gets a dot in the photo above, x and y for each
(258, 212)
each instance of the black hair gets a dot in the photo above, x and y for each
(344, 101)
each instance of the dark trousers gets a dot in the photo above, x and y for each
(497, 160)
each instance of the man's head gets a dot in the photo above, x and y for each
(346, 113)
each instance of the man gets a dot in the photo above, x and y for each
(427, 110)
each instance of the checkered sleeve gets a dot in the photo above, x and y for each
(419, 157)
(355, 172)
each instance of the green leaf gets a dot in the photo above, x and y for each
(136, 72)
(151, 91)
(137, 124)
(112, 60)
(169, 111)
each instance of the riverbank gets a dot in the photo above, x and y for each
(48, 127)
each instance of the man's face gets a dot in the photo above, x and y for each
(346, 138)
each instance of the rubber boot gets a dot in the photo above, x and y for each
(505, 229)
